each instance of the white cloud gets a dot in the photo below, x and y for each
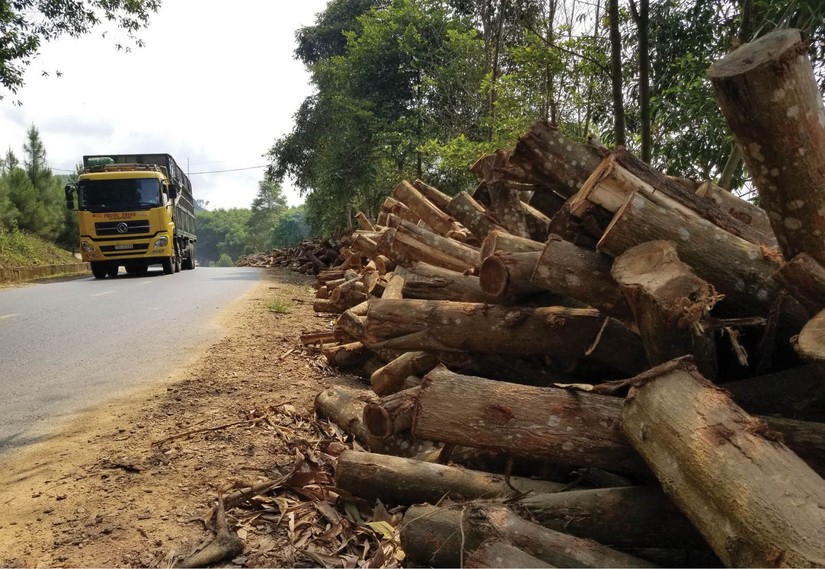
(214, 86)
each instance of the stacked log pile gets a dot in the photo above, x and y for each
(309, 257)
(588, 363)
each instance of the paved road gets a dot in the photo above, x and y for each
(67, 346)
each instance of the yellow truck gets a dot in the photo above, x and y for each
(134, 210)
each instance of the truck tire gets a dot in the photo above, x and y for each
(112, 270)
(99, 269)
(168, 265)
(189, 259)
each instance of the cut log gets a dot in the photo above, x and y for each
(365, 246)
(547, 202)
(442, 537)
(390, 378)
(429, 282)
(811, 341)
(473, 215)
(394, 288)
(505, 203)
(429, 213)
(438, 198)
(502, 554)
(396, 480)
(552, 331)
(737, 268)
(743, 210)
(502, 241)
(347, 356)
(571, 428)
(399, 210)
(629, 517)
(756, 503)
(559, 162)
(364, 221)
(538, 224)
(622, 175)
(579, 273)
(326, 305)
(392, 414)
(669, 303)
(770, 98)
(508, 275)
(412, 243)
(805, 279)
(349, 294)
(351, 322)
(345, 407)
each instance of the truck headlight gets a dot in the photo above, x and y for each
(161, 242)
(86, 247)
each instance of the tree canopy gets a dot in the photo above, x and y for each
(26, 24)
(422, 88)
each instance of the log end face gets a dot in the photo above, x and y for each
(493, 276)
(769, 48)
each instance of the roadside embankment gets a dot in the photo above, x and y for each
(22, 274)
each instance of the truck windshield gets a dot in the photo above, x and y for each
(119, 195)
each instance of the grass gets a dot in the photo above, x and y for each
(19, 249)
(279, 306)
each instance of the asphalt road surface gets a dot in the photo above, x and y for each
(68, 346)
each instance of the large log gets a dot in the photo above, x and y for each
(429, 282)
(390, 378)
(501, 554)
(559, 162)
(756, 503)
(442, 537)
(397, 480)
(579, 273)
(498, 240)
(392, 414)
(473, 215)
(552, 331)
(438, 198)
(670, 304)
(507, 275)
(811, 341)
(629, 517)
(743, 210)
(770, 98)
(738, 269)
(505, 202)
(805, 279)
(428, 212)
(419, 244)
(558, 425)
(796, 393)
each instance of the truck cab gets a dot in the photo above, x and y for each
(134, 211)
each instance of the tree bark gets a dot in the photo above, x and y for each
(629, 517)
(743, 210)
(571, 428)
(392, 414)
(399, 209)
(756, 502)
(428, 212)
(551, 331)
(769, 96)
(443, 537)
(473, 215)
(740, 270)
(397, 480)
(390, 378)
(414, 243)
(805, 280)
(364, 222)
(670, 304)
(438, 198)
(616, 72)
(579, 273)
(563, 164)
(796, 393)
(429, 282)
(507, 275)
(347, 356)
(502, 241)
(502, 554)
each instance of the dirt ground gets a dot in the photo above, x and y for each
(133, 483)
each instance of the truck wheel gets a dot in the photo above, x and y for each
(177, 257)
(189, 259)
(112, 270)
(99, 269)
(168, 265)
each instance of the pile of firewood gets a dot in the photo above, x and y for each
(309, 257)
(589, 363)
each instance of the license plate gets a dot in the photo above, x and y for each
(127, 246)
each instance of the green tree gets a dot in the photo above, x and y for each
(267, 206)
(221, 232)
(291, 227)
(27, 24)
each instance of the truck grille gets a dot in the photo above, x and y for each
(132, 227)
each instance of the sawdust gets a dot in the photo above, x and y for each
(132, 483)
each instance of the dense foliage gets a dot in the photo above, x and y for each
(421, 88)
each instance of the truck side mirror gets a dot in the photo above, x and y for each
(173, 191)
(70, 190)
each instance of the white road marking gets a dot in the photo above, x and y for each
(102, 293)
(4, 316)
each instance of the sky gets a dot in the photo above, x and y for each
(214, 86)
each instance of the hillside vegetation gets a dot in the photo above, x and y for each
(21, 249)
